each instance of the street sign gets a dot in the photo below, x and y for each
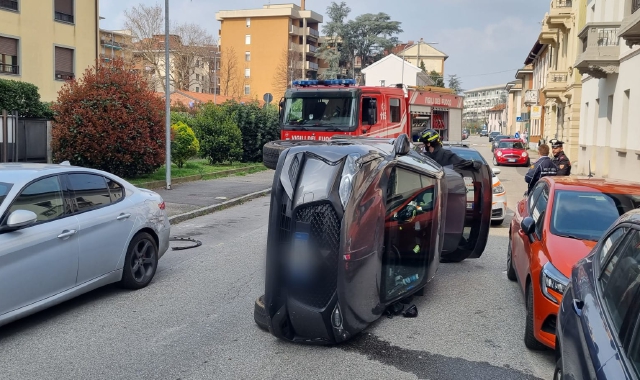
(518, 119)
(267, 97)
(536, 112)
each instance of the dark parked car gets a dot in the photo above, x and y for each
(358, 224)
(496, 141)
(484, 132)
(492, 135)
(598, 327)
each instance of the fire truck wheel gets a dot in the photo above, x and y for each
(271, 151)
(260, 313)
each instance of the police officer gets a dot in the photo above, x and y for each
(445, 157)
(559, 158)
(542, 168)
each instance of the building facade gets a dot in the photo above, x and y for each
(267, 45)
(609, 61)
(389, 71)
(422, 53)
(47, 42)
(479, 101)
(514, 106)
(116, 44)
(497, 119)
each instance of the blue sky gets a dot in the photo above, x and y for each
(486, 40)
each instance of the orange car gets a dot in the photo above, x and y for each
(553, 228)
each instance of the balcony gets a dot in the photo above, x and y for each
(9, 4)
(556, 84)
(311, 66)
(311, 50)
(548, 35)
(313, 33)
(600, 54)
(560, 14)
(630, 27)
(6, 68)
(294, 30)
(63, 75)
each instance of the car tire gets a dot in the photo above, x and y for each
(528, 163)
(557, 373)
(511, 272)
(140, 262)
(530, 340)
(495, 162)
(260, 314)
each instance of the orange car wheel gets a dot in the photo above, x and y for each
(529, 338)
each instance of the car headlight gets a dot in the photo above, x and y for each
(552, 279)
(524, 154)
(346, 183)
(499, 153)
(498, 189)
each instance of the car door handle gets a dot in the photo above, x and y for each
(123, 216)
(577, 307)
(66, 233)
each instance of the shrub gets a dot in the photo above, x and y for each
(184, 144)
(24, 98)
(258, 126)
(109, 120)
(219, 135)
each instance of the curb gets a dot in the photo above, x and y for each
(198, 177)
(211, 209)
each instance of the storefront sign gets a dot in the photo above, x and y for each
(436, 99)
(536, 112)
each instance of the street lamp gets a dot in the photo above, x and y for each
(167, 95)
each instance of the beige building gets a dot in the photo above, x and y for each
(514, 107)
(416, 53)
(269, 46)
(116, 44)
(47, 42)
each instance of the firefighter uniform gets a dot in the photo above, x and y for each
(560, 159)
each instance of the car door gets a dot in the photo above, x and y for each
(106, 222)
(371, 108)
(40, 260)
(534, 243)
(521, 243)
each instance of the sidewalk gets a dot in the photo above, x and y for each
(191, 199)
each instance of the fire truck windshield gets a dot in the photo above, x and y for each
(318, 113)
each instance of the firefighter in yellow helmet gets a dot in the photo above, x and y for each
(445, 157)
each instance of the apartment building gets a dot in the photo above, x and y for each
(269, 43)
(47, 42)
(116, 44)
(609, 61)
(514, 106)
(478, 101)
(421, 52)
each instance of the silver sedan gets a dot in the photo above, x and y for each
(67, 230)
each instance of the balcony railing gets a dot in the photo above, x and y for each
(9, 69)
(558, 77)
(313, 32)
(600, 54)
(64, 75)
(630, 27)
(635, 5)
(311, 66)
(9, 4)
(562, 4)
(64, 17)
(294, 29)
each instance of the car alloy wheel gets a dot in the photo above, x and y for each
(511, 272)
(530, 340)
(141, 262)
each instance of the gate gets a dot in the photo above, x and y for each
(22, 139)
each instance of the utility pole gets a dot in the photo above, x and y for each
(167, 95)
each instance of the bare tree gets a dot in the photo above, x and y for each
(192, 56)
(289, 69)
(231, 81)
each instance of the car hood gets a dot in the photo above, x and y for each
(564, 252)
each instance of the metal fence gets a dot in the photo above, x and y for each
(24, 140)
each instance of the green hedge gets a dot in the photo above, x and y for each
(24, 98)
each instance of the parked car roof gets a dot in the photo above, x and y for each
(599, 184)
(22, 173)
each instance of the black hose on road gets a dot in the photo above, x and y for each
(196, 243)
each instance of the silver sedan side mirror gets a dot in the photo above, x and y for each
(21, 218)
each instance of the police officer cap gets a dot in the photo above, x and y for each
(555, 143)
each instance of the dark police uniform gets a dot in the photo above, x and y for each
(561, 160)
(542, 168)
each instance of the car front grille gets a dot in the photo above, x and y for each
(511, 156)
(496, 213)
(325, 241)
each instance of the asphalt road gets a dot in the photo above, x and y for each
(195, 320)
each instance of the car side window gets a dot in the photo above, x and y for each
(620, 279)
(116, 190)
(539, 211)
(44, 197)
(611, 240)
(89, 191)
(534, 195)
(634, 348)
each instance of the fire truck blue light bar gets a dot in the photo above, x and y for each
(328, 82)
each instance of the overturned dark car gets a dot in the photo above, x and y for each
(358, 224)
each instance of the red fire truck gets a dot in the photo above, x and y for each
(317, 110)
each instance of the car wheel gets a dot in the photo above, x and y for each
(511, 272)
(260, 314)
(530, 340)
(495, 162)
(557, 374)
(528, 163)
(140, 263)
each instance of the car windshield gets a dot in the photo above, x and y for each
(510, 145)
(315, 112)
(4, 190)
(468, 154)
(587, 215)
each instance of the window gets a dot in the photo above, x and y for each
(197, 89)
(539, 210)
(247, 73)
(9, 55)
(247, 56)
(43, 197)
(610, 242)
(197, 63)
(534, 195)
(197, 76)
(394, 110)
(248, 22)
(247, 89)
(368, 103)
(9, 4)
(63, 10)
(64, 63)
(89, 191)
(247, 39)
(4, 190)
(621, 278)
(116, 190)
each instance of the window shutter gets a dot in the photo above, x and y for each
(64, 60)
(8, 46)
(64, 6)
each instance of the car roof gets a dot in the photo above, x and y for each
(22, 173)
(511, 140)
(604, 185)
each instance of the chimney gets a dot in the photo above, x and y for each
(302, 4)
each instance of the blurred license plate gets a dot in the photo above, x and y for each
(300, 241)
(512, 160)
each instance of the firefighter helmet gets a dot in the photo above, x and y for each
(430, 136)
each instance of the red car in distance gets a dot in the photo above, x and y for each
(511, 152)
